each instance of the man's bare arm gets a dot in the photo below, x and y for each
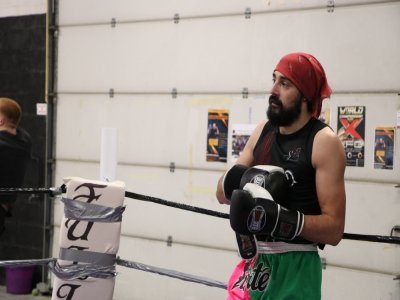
(329, 160)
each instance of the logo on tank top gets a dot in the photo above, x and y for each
(293, 155)
(290, 177)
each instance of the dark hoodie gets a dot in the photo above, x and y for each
(15, 154)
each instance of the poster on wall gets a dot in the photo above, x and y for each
(240, 135)
(217, 135)
(398, 119)
(384, 148)
(325, 116)
(351, 132)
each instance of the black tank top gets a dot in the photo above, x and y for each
(292, 152)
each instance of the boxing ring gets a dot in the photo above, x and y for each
(86, 268)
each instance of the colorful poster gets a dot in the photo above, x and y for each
(217, 135)
(351, 131)
(384, 148)
(240, 135)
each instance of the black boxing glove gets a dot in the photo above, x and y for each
(247, 245)
(232, 178)
(253, 211)
(272, 178)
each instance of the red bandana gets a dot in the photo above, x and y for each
(307, 74)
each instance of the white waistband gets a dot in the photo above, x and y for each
(282, 247)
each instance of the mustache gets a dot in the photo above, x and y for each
(275, 100)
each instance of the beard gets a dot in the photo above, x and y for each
(280, 116)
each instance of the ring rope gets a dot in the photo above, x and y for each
(53, 191)
(170, 273)
(372, 238)
(350, 236)
(177, 205)
(26, 262)
(57, 191)
(78, 271)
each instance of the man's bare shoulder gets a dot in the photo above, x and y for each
(327, 146)
(326, 134)
(246, 156)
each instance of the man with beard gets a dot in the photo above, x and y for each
(15, 154)
(311, 156)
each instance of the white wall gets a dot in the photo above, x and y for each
(209, 57)
(13, 8)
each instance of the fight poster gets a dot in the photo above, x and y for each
(384, 148)
(351, 131)
(217, 135)
(240, 135)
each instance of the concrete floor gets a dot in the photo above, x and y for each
(6, 296)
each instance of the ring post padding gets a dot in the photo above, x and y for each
(89, 240)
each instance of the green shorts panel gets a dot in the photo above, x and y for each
(287, 276)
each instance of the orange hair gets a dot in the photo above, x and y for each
(11, 110)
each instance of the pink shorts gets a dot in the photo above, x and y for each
(237, 284)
